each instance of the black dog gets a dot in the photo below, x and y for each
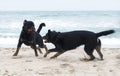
(30, 37)
(70, 40)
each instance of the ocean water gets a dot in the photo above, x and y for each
(11, 23)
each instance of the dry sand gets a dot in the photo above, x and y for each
(70, 63)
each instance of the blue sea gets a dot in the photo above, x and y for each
(11, 23)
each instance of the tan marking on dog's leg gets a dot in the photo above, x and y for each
(47, 52)
(56, 55)
(16, 53)
(39, 50)
(98, 49)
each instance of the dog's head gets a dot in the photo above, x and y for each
(28, 27)
(50, 36)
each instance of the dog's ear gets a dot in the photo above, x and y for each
(25, 21)
(49, 31)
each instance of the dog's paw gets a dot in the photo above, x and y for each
(84, 59)
(45, 55)
(53, 57)
(14, 54)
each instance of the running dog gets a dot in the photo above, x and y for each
(30, 37)
(70, 40)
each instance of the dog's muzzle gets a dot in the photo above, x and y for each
(45, 40)
(30, 31)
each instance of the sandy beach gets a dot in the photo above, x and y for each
(70, 63)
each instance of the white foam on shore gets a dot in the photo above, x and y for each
(8, 42)
(110, 42)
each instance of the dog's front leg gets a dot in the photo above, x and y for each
(56, 55)
(35, 49)
(49, 51)
(39, 50)
(16, 53)
(18, 48)
(58, 50)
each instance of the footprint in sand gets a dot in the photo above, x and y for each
(71, 68)
(28, 60)
(65, 65)
(16, 57)
(118, 56)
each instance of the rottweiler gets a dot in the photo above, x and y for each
(30, 37)
(70, 40)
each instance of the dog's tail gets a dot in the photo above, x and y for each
(40, 27)
(103, 33)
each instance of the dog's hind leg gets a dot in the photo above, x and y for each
(39, 50)
(56, 55)
(89, 50)
(98, 49)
